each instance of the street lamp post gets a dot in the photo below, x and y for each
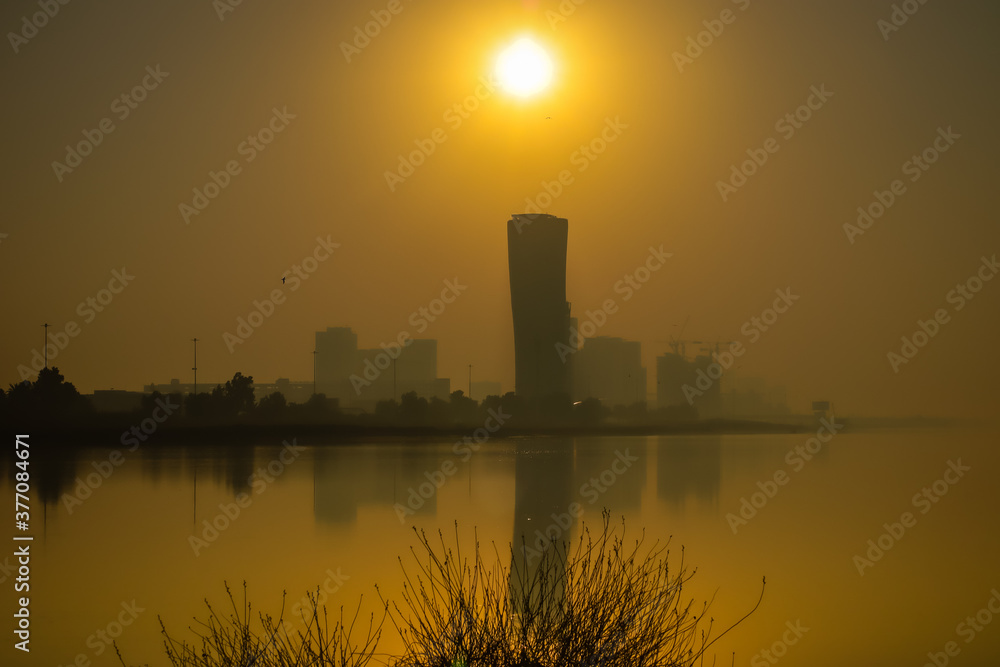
(195, 367)
(45, 343)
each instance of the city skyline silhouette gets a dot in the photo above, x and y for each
(859, 182)
(534, 333)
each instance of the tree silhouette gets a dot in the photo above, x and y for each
(463, 409)
(238, 393)
(438, 411)
(590, 411)
(387, 412)
(318, 404)
(272, 405)
(49, 398)
(413, 410)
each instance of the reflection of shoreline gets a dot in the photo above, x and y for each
(70, 437)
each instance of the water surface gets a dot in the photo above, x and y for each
(330, 514)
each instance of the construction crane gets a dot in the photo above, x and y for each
(675, 342)
(678, 345)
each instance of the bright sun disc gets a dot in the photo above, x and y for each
(524, 68)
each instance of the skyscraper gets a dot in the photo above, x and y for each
(361, 377)
(336, 358)
(536, 252)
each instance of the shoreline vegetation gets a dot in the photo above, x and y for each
(51, 406)
(604, 600)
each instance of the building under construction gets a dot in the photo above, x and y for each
(702, 383)
(681, 381)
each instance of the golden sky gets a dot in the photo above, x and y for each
(665, 121)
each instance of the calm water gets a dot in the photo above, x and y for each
(330, 511)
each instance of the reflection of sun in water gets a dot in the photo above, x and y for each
(524, 69)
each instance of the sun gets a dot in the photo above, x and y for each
(524, 68)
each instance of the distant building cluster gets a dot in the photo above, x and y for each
(549, 360)
(362, 377)
(605, 368)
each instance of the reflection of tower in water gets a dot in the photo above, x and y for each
(543, 493)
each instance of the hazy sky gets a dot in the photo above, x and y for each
(679, 124)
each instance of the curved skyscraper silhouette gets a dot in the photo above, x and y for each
(536, 252)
